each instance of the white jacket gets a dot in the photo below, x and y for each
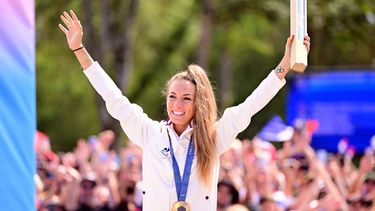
(159, 189)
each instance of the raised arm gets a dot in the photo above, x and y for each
(236, 119)
(135, 123)
(74, 32)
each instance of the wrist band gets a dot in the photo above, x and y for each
(77, 49)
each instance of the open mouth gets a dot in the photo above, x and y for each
(178, 113)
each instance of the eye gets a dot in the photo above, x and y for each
(172, 96)
(187, 98)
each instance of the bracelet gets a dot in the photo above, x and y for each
(77, 49)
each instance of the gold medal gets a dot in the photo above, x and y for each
(181, 206)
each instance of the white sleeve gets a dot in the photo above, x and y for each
(237, 118)
(135, 123)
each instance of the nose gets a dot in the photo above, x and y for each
(178, 103)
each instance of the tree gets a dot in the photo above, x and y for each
(111, 47)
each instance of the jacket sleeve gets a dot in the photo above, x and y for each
(236, 119)
(135, 123)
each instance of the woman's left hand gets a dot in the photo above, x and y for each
(285, 65)
(288, 47)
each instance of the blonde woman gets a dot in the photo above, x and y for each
(181, 154)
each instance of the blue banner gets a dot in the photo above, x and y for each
(342, 102)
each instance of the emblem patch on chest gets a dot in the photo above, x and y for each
(166, 153)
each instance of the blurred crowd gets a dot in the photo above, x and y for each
(255, 175)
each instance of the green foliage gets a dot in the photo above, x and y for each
(342, 32)
(165, 38)
(65, 105)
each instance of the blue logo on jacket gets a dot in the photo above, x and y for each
(165, 152)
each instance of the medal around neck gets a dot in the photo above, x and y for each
(181, 206)
(182, 183)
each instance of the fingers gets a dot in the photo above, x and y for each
(307, 38)
(290, 40)
(67, 16)
(306, 42)
(70, 20)
(74, 16)
(66, 22)
(63, 28)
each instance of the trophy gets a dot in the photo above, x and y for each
(298, 28)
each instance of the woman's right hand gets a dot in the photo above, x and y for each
(73, 29)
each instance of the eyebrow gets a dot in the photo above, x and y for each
(184, 95)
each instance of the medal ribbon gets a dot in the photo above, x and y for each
(182, 185)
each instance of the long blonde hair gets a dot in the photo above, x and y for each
(204, 119)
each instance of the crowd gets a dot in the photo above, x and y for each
(254, 175)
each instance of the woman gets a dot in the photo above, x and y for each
(189, 143)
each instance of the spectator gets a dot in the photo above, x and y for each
(227, 195)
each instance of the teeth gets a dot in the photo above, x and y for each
(178, 113)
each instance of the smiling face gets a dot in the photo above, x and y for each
(181, 104)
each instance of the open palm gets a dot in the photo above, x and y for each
(72, 29)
